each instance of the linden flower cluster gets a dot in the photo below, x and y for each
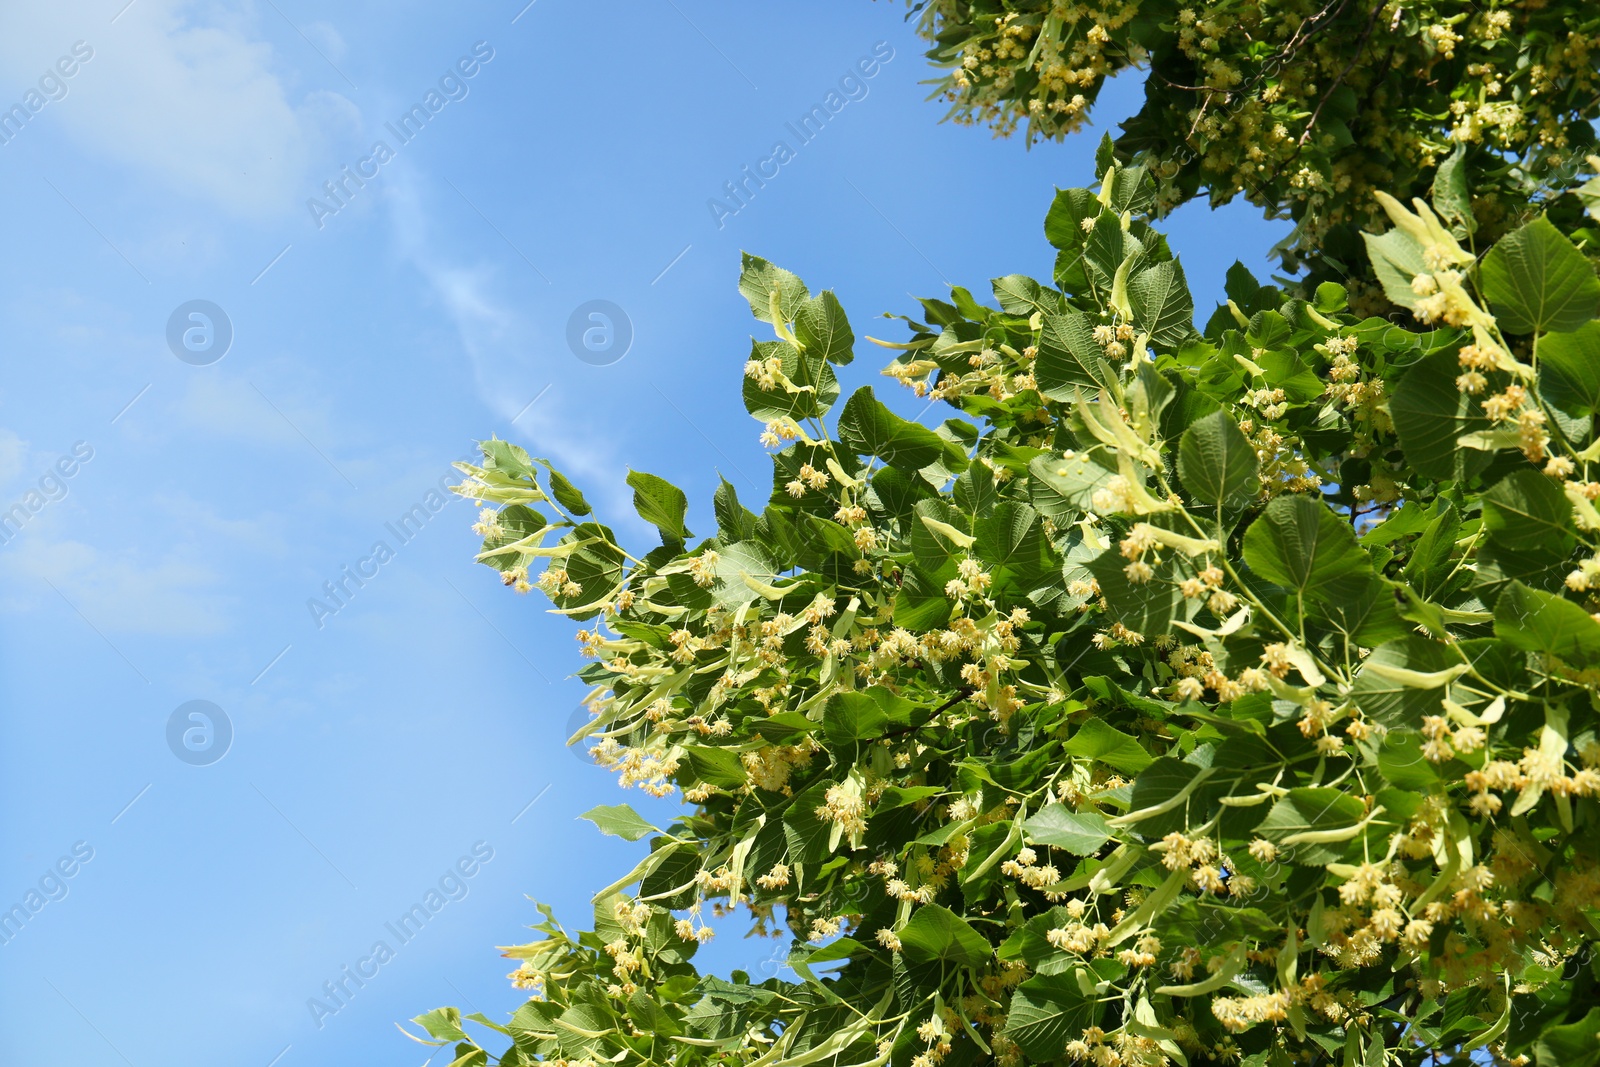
(1205, 864)
(1514, 406)
(925, 876)
(1197, 672)
(1112, 339)
(1238, 1014)
(767, 373)
(1247, 119)
(1364, 396)
(1000, 373)
(1441, 742)
(779, 431)
(972, 580)
(1470, 931)
(935, 1034)
(1121, 1049)
(1081, 56)
(1539, 769)
(1207, 586)
(808, 478)
(845, 807)
(1371, 914)
(1282, 469)
(1586, 576)
(1025, 868)
(555, 582)
(770, 766)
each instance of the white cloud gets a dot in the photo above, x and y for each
(13, 456)
(327, 39)
(504, 349)
(122, 591)
(185, 92)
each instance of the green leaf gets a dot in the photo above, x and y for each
(1105, 156)
(469, 1055)
(1401, 761)
(784, 728)
(1406, 520)
(1132, 189)
(661, 504)
(1289, 372)
(1309, 811)
(1242, 288)
(851, 717)
(735, 522)
(1541, 622)
(1527, 512)
(443, 1024)
(1576, 1044)
(807, 835)
(921, 604)
(1159, 784)
(1062, 487)
(1396, 259)
(1096, 739)
(1331, 297)
(1009, 539)
(820, 325)
(1063, 225)
(725, 1009)
(1161, 303)
(1569, 369)
(1452, 198)
(1432, 556)
(596, 568)
(1430, 414)
(1056, 825)
(1364, 611)
(870, 429)
(650, 1017)
(728, 588)
(716, 766)
(1144, 607)
(974, 491)
(1215, 461)
(1299, 543)
(813, 390)
(619, 820)
(566, 494)
(1021, 295)
(1069, 359)
(1106, 247)
(515, 521)
(759, 279)
(935, 933)
(1385, 697)
(1032, 943)
(1047, 1011)
(1537, 280)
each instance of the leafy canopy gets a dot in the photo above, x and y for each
(1187, 697)
(1304, 107)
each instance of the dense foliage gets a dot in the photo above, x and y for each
(1305, 107)
(1186, 698)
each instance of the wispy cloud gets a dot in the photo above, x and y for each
(511, 359)
(190, 94)
(125, 590)
(13, 459)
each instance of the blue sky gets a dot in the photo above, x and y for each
(376, 746)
